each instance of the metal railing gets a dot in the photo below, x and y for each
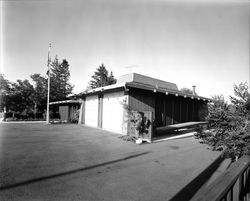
(232, 185)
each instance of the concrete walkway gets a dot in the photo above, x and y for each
(74, 162)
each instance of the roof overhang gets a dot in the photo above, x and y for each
(165, 91)
(105, 88)
(66, 102)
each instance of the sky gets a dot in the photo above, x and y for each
(187, 42)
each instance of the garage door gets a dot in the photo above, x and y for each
(113, 111)
(91, 111)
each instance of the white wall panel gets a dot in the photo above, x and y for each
(91, 111)
(113, 111)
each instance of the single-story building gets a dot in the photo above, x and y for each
(107, 107)
(67, 109)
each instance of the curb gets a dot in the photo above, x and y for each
(175, 137)
(21, 122)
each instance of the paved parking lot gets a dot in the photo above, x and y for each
(75, 162)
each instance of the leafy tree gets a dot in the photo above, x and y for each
(4, 84)
(229, 124)
(4, 91)
(187, 91)
(101, 78)
(20, 97)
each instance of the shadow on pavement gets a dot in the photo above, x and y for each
(69, 172)
(190, 189)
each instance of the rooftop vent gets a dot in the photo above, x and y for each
(194, 93)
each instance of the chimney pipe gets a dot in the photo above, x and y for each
(194, 90)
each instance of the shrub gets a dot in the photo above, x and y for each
(229, 124)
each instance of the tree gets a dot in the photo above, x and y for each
(4, 91)
(16, 97)
(187, 91)
(101, 78)
(60, 86)
(39, 96)
(20, 97)
(241, 100)
(229, 124)
(4, 84)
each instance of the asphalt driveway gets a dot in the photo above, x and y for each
(75, 162)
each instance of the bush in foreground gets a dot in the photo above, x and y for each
(229, 124)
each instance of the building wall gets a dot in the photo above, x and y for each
(141, 100)
(113, 111)
(67, 112)
(106, 110)
(64, 113)
(167, 109)
(81, 119)
(91, 110)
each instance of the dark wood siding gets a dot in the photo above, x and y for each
(64, 113)
(190, 110)
(159, 109)
(167, 109)
(141, 100)
(176, 110)
(196, 104)
(183, 110)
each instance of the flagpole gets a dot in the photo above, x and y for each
(47, 115)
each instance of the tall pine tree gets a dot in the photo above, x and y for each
(101, 78)
(60, 86)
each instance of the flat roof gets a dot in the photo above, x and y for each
(142, 79)
(135, 80)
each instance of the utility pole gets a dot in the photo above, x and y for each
(48, 73)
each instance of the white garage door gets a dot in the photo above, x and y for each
(113, 111)
(91, 111)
